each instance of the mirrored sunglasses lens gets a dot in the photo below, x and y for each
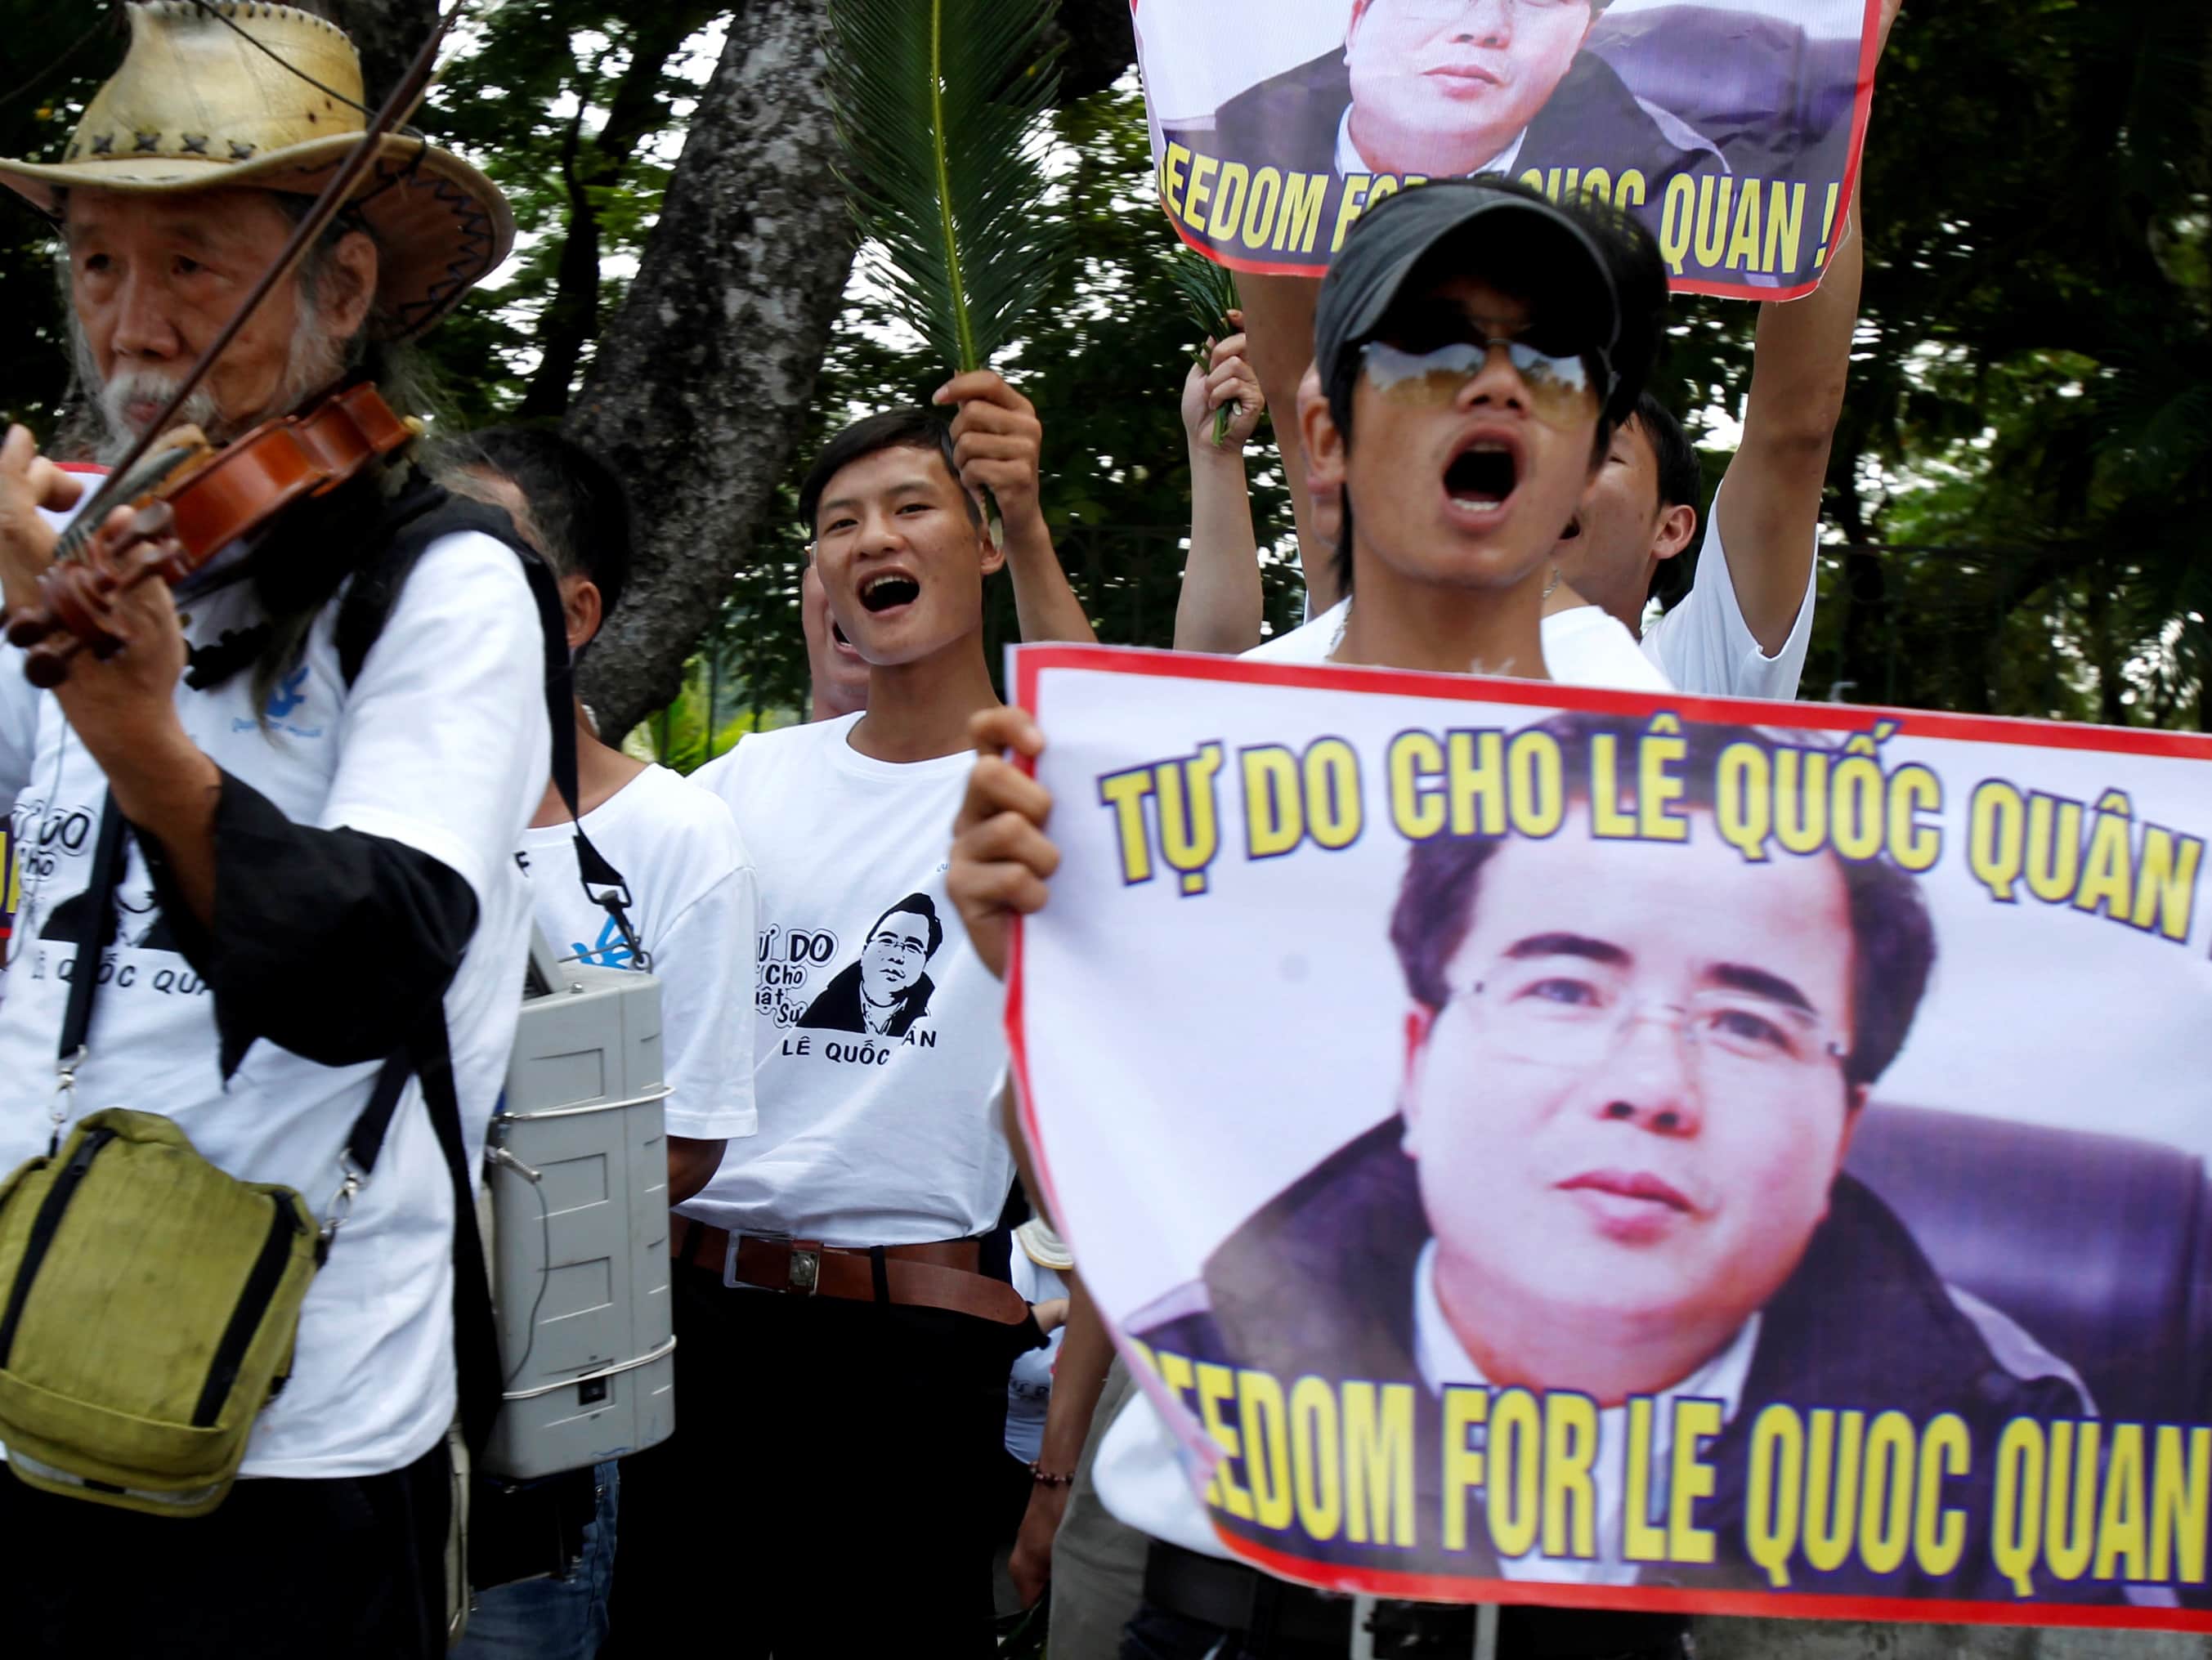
(1430, 379)
(1560, 387)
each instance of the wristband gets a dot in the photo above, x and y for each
(1038, 1474)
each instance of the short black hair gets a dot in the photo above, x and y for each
(1639, 280)
(921, 905)
(1681, 479)
(894, 430)
(1893, 942)
(579, 512)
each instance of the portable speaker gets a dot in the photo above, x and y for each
(579, 1188)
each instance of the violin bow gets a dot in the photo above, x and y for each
(393, 113)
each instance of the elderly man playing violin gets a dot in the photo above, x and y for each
(305, 801)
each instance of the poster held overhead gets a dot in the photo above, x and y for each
(1731, 128)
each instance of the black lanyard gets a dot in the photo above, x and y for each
(107, 861)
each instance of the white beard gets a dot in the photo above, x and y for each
(314, 360)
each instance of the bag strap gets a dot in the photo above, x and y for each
(84, 973)
(475, 1341)
(422, 517)
(106, 875)
(476, 1345)
(593, 869)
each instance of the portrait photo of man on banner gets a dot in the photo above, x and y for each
(1589, 1148)
(1731, 127)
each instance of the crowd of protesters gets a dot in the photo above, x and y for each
(902, 1424)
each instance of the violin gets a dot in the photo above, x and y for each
(194, 501)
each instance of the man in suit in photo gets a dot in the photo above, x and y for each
(1446, 89)
(1633, 1069)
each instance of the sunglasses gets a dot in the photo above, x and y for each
(1563, 392)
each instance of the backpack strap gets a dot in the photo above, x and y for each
(421, 518)
(476, 1344)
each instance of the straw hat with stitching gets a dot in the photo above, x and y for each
(241, 93)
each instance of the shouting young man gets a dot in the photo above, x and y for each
(842, 1346)
(1479, 346)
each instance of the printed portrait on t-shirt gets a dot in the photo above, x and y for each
(139, 923)
(889, 988)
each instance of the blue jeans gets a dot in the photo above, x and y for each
(548, 1618)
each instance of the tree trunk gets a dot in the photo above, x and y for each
(388, 33)
(571, 320)
(700, 386)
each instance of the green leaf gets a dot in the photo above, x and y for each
(1210, 291)
(943, 108)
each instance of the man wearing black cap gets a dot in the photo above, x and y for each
(1477, 345)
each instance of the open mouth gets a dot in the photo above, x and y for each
(888, 591)
(1481, 476)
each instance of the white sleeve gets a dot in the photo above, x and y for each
(704, 962)
(19, 713)
(443, 744)
(19, 734)
(1704, 646)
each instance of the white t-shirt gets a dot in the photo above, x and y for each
(879, 1041)
(440, 744)
(694, 908)
(1584, 647)
(1029, 1383)
(1139, 1477)
(1703, 644)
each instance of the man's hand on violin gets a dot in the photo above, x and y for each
(123, 709)
(29, 482)
(128, 697)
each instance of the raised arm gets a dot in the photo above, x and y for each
(1219, 608)
(1279, 320)
(996, 442)
(1769, 505)
(1768, 510)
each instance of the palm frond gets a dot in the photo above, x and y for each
(941, 106)
(1210, 291)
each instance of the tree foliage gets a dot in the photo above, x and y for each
(2017, 490)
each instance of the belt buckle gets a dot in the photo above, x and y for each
(806, 1272)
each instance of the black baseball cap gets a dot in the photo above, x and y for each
(1527, 242)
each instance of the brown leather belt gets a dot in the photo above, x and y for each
(942, 1276)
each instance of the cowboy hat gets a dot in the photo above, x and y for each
(240, 93)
